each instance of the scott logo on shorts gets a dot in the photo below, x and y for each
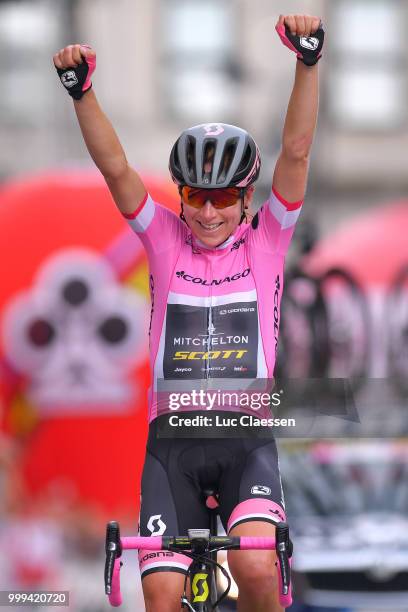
(200, 588)
(155, 525)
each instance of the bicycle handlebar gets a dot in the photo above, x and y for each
(115, 545)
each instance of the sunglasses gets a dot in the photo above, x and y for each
(219, 198)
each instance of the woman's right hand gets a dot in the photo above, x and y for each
(75, 65)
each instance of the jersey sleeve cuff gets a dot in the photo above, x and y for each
(287, 205)
(134, 214)
(285, 213)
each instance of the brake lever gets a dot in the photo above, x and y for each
(113, 550)
(284, 551)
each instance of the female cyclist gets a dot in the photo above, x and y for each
(216, 284)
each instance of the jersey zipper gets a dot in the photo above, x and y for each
(210, 326)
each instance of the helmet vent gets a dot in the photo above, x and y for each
(191, 158)
(246, 158)
(227, 159)
(208, 160)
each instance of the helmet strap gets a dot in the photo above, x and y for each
(242, 196)
(182, 217)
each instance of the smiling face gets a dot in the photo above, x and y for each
(213, 226)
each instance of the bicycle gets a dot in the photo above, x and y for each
(349, 325)
(397, 318)
(202, 546)
(303, 349)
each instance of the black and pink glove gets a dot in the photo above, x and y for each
(308, 49)
(77, 79)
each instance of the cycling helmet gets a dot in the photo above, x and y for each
(214, 156)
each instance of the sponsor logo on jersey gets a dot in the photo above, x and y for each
(209, 340)
(260, 490)
(225, 354)
(309, 42)
(232, 310)
(276, 311)
(201, 281)
(151, 286)
(237, 244)
(155, 525)
(201, 339)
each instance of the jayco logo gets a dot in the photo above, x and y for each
(201, 281)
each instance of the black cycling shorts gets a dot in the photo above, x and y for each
(244, 472)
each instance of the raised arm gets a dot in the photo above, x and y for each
(290, 176)
(100, 138)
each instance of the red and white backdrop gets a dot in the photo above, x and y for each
(74, 315)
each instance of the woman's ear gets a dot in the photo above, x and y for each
(249, 194)
(247, 203)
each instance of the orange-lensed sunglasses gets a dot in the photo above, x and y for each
(219, 198)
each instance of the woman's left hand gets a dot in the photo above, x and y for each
(302, 34)
(299, 25)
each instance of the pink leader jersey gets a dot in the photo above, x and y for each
(215, 312)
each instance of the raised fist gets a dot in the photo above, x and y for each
(302, 34)
(75, 65)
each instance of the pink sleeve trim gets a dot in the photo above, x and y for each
(288, 205)
(134, 214)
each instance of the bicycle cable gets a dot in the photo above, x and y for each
(204, 558)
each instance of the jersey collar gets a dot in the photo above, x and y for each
(220, 247)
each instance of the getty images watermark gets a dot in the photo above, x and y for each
(233, 408)
(222, 400)
(208, 400)
(243, 420)
(286, 408)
